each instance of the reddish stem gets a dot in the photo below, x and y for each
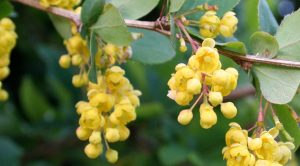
(191, 41)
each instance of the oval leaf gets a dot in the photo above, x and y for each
(175, 5)
(111, 27)
(288, 37)
(266, 18)
(91, 10)
(153, 48)
(264, 45)
(277, 84)
(5, 9)
(134, 9)
(62, 26)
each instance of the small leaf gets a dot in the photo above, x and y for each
(288, 37)
(277, 84)
(153, 48)
(289, 123)
(93, 45)
(175, 5)
(134, 9)
(111, 27)
(91, 10)
(62, 26)
(5, 9)
(236, 46)
(266, 18)
(264, 45)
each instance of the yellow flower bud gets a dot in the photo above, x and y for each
(95, 137)
(110, 49)
(183, 98)
(65, 61)
(4, 72)
(209, 42)
(4, 60)
(7, 24)
(83, 133)
(111, 156)
(79, 80)
(228, 110)
(215, 98)
(182, 47)
(185, 117)
(3, 95)
(93, 150)
(208, 117)
(124, 132)
(194, 86)
(76, 59)
(112, 135)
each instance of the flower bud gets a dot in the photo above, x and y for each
(208, 117)
(65, 61)
(111, 155)
(4, 72)
(215, 98)
(95, 138)
(83, 133)
(112, 135)
(185, 117)
(194, 86)
(208, 42)
(76, 60)
(228, 110)
(93, 151)
(3, 95)
(77, 81)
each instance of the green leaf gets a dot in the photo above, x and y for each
(172, 154)
(153, 48)
(264, 45)
(266, 18)
(5, 9)
(91, 10)
(288, 37)
(93, 45)
(111, 27)
(277, 84)
(289, 123)
(134, 9)
(62, 26)
(236, 46)
(10, 152)
(33, 101)
(175, 5)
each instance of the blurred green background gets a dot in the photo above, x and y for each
(37, 124)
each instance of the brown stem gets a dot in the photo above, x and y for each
(239, 58)
(189, 38)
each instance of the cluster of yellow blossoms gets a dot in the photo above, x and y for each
(203, 74)
(111, 105)
(211, 25)
(67, 4)
(8, 39)
(261, 151)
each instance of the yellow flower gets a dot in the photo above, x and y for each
(93, 150)
(206, 60)
(284, 153)
(236, 135)
(215, 98)
(124, 113)
(65, 61)
(228, 24)
(268, 148)
(111, 155)
(209, 24)
(112, 135)
(95, 137)
(183, 98)
(194, 86)
(224, 81)
(208, 117)
(238, 155)
(91, 119)
(83, 133)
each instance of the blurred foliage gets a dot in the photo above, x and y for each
(37, 125)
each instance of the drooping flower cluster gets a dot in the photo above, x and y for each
(110, 107)
(8, 39)
(261, 151)
(203, 74)
(79, 55)
(211, 25)
(67, 4)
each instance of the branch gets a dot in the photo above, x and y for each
(151, 25)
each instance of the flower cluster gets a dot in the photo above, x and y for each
(203, 75)
(7, 43)
(111, 105)
(211, 25)
(79, 55)
(261, 151)
(67, 4)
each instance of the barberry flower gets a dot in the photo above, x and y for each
(228, 24)
(209, 24)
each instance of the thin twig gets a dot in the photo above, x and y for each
(150, 25)
(182, 28)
